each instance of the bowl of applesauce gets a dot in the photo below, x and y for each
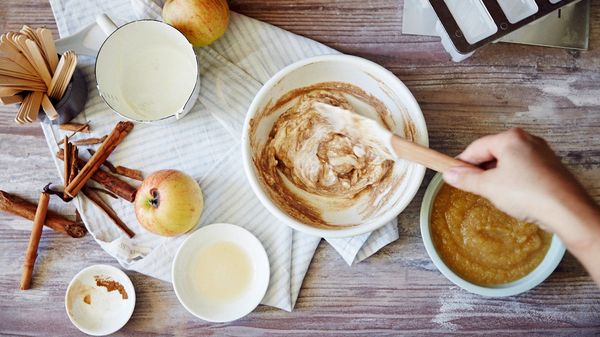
(480, 248)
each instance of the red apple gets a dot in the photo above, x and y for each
(169, 203)
(201, 21)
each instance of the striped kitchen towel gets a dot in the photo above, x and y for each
(206, 145)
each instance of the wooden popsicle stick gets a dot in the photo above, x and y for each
(11, 73)
(10, 90)
(425, 156)
(39, 63)
(4, 91)
(8, 81)
(31, 35)
(20, 44)
(8, 64)
(34, 108)
(19, 87)
(71, 63)
(25, 115)
(11, 51)
(14, 99)
(18, 41)
(49, 108)
(58, 73)
(28, 32)
(20, 117)
(45, 36)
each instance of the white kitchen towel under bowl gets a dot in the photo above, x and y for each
(205, 144)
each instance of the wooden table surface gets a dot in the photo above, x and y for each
(553, 93)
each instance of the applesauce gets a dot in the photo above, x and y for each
(482, 244)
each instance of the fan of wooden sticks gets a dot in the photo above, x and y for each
(31, 72)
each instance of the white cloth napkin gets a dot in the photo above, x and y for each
(204, 144)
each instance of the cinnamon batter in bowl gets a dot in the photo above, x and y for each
(312, 166)
(323, 179)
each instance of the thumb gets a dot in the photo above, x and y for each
(465, 178)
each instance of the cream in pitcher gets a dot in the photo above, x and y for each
(146, 70)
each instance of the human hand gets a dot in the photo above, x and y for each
(522, 176)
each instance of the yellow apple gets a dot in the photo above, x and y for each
(169, 203)
(201, 21)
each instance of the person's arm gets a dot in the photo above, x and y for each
(522, 176)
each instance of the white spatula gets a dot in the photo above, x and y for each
(397, 145)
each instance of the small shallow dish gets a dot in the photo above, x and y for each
(92, 308)
(370, 77)
(538, 275)
(220, 311)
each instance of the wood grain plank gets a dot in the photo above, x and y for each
(551, 92)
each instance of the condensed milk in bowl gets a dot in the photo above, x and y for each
(220, 273)
(320, 179)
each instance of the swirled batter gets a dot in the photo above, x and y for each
(308, 162)
(482, 244)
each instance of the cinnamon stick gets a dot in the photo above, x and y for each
(110, 144)
(130, 173)
(93, 196)
(121, 170)
(86, 141)
(106, 163)
(75, 127)
(67, 161)
(73, 163)
(109, 181)
(82, 127)
(12, 204)
(101, 190)
(34, 240)
(90, 141)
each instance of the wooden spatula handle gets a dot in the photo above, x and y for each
(423, 155)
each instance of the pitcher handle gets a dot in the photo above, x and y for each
(106, 24)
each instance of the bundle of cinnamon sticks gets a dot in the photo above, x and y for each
(77, 173)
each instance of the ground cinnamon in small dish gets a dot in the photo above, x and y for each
(111, 285)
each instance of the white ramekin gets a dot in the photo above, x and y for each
(538, 275)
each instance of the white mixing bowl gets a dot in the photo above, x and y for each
(371, 78)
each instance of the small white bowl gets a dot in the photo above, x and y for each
(93, 309)
(220, 311)
(370, 77)
(538, 275)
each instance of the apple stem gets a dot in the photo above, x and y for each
(155, 201)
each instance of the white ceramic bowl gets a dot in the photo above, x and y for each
(538, 275)
(370, 77)
(93, 309)
(222, 311)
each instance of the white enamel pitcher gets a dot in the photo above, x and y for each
(146, 70)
